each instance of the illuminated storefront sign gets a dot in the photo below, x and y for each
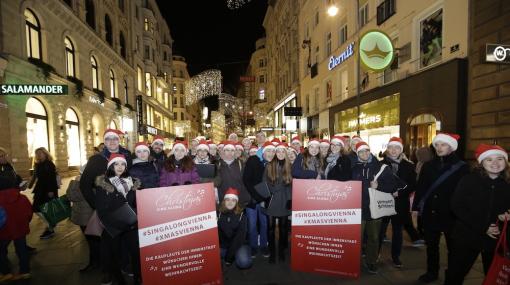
(365, 120)
(376, 50)
(334, 61)
(497, 53)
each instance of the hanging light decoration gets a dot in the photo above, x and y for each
(236, 4)
(204, 84)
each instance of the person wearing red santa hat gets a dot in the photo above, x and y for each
(213, 150)
(480, 204)
(157, 150)
(202, 156)
(193, 149)
(292, 154)
(434, 189)
(113, 189)
(324, 148)
(296, 144)
(229, 174)
(239, 153)
(402, 168)
(179, 168)
(253, 150)
(232, 226)
(309, 165)
(97, 164)
(365, 170)
(338, 166)
(257, 220)
(352, 146)
(144, 168)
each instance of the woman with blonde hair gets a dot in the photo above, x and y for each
(46, 188)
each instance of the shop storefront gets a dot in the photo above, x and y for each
(283, 126)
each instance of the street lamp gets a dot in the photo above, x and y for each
(332, 9)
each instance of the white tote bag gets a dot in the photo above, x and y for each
(381, 204)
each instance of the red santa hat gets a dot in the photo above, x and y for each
(239, 146)
(356, 139)
(275, 141)
(112, 133)
(325, 142)
(450, 139)
(221, 144)
(396, 141)
(282, 145)
(141, 146)
(196, 139)
(229, 145)
(182, 144)
(253, 149)
(361, 146)
(203, 145)
(232, 193)
(485, 150)
(268, 146)
(314, 142)
(338, 140)
(116, 157)
(212, 144)
(296, 140)
(158, 139)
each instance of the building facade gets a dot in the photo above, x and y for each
(423, 91)
(256, 89)
(489, 86)
(93, 47)
(282, 48)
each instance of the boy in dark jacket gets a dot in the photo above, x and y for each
(232, 226)
(365, 171)
(19, 213)
(438, 180)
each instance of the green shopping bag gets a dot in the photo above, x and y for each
(56, 210)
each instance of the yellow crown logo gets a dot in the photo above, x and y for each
(376, 52)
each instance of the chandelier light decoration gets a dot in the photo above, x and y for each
(236, 4)
(204, 84)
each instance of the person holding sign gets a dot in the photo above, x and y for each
(116, 206)
(309, 165)
(338, 165)
(278, 179)
(232, 226)
(179, 168)
(371, 173)
(480, 202)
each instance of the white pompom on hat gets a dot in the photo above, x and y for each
(450, 139)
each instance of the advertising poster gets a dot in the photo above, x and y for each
(326, 227)
(178, 235)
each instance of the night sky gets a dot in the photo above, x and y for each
(209, 35)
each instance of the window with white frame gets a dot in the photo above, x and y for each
(70, 71)
(32, 35)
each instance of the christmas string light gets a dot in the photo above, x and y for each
(236, 4)
(204, 84)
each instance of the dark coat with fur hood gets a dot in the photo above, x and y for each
(108, 199)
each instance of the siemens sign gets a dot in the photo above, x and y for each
(334, 61)
(497, 53)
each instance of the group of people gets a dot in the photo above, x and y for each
(253, 185)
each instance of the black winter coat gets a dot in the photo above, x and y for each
(365, 172)
(253, 175)
(232, 176)
(476, 203)
(232, 230)
(342, 171)
(46, 174)
(97, 165)
(406, 185)
(147, 172)
(8, 168)
(281, 195)
(159, 158)
(437, 214)
(300, 172)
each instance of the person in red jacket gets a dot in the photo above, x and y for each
(19, 213)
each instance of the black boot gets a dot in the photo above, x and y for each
(281, 255)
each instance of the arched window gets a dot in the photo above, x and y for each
(122, 43)
(90, 11)
(126, 92)
(33, 35)
(108, 28)
(37, 126)
(70, 70)
(113, 125)
(112, 84)
(73, 138)
(95, 73)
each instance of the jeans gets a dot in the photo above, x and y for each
(254, 216)
(396, 239)
(372, 227)
(243, 257)
(20, 245)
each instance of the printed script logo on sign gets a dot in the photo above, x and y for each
(180, 199)
(375, 50)
(328, 192)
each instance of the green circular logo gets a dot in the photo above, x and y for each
(376, 50)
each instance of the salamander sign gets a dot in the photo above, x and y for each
(33, 89)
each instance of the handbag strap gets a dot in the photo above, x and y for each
(502, 240)
(380, 172)
(438, 182)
